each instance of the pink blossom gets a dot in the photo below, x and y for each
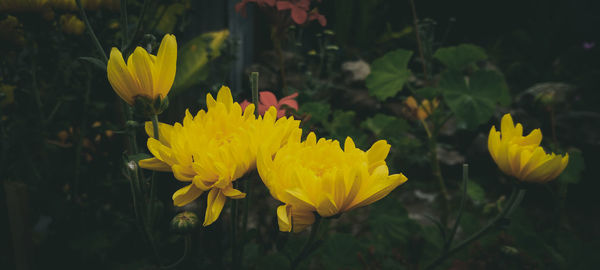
(268, 99)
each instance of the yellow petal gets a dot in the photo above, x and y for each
(214, 205)
(326, 206)
(210, 101)
(507, 126)
(411, 102)
(142, 68)
(284, 218)
(182, 173)
(166, 63)
(301, 219)
(349, 145)
(534, 138)
(186, 195)
(233, 193)
(154, 164)
(224, 96)
(164, 130)
(120, 78)
(378, 152)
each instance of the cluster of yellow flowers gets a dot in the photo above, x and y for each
(423, 110)
(70, 24)
(216, 147)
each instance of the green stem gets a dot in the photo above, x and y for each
(419, 43)
(254, 86)
(91, 31)
(514, 200)
(124, 24)
(234, 215)
(437, 173)
(187, 242)
(462, 206)
(309, 243)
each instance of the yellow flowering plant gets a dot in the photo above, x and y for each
(522, 156)
(317, 176)
(145, 77)
(214, 148)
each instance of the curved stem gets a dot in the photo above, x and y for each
(437, 173)
(187, 242)
(91, 31)
(309, 243)
(515, 198)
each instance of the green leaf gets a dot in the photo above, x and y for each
(382, 124)
(461, 56)
(572, 174)
(169, 17)
(95, 62)
(475, 192)
(343, 125)
(319, 111)
(193, 57)
(473, 99)
(340, 251)
(388, 74)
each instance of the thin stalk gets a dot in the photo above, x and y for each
(152, 198)
(419, 43)
(138, 25)
(437, 173)
(124, 25)
(309, 243)
(91, 31)
(187, 242)
(513, 202)
(234, 216)
(461, 208)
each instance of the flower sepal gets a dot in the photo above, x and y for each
(184, 222)
(148, 107)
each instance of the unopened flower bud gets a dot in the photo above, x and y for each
(184, 222)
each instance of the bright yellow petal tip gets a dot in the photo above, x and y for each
(522, 156)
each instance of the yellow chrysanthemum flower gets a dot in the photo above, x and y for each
(422, 111)
(70, 24)
(144, 74)
(215, 148)
(318, 176)
(521, 156)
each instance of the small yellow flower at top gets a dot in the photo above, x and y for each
(144, 75)
(318, 176)
(422, 111)
(215, 148)
(70, 24)
(522, 156)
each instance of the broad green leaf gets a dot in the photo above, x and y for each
(572, 174)
(343, 125)
(461, 56)
(193, 57)
(340, 251)
(473, 99)
(388, 74)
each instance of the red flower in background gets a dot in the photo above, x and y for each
(268, 99)
(299, 9)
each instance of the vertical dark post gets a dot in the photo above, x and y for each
(241, 30)
(17, 203)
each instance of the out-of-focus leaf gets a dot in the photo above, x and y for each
(384, 124)
(169, 17)
(193, 57)
(95, 62)
(342, 125)
(473, 99)
(475, 192)
(461, 56)
(388, 74)
(572, 174)
(319, 111)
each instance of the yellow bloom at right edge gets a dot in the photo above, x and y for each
(144, 74)
(522, 156)
(318, 176)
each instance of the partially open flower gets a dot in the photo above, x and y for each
(318, 176)
(70, 24)
(145, 75)
(214, 148)
(522, 156)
